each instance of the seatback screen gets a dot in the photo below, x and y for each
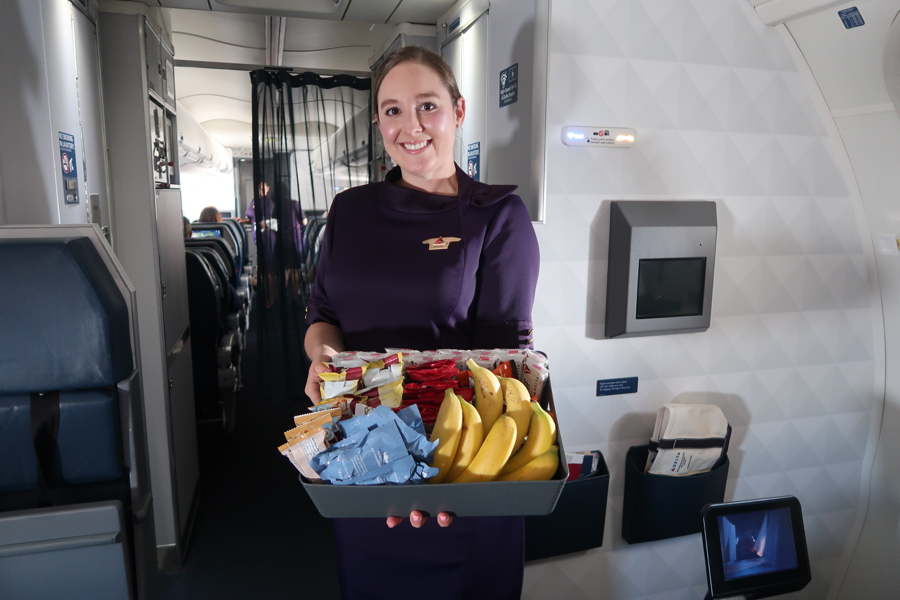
(759, 542)
(202, 233)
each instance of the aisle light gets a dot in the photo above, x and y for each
(602, 137)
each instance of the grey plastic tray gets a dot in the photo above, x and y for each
(492, 498)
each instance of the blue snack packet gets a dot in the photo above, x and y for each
(380, 447)
(398, 471)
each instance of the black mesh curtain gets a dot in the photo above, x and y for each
(311, 139)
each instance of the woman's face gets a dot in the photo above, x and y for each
(418, 122)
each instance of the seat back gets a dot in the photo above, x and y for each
(71, 420)
(241, 235)
(223, 250)
(204, 306)
(225, 232)
(67, 334)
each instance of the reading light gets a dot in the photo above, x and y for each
(608, 137)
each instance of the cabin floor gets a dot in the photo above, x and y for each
(256, 533)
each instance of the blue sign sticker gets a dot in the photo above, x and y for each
(509, 85)
(473, 161)
(68, 167)
(612, 387)
(453, 25)
(851, 17)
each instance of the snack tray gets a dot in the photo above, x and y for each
(482, 499)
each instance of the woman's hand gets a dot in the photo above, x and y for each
(417, 519)
(323, 341)
(312, 380)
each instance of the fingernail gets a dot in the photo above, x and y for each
(443, 518)
(416, 517)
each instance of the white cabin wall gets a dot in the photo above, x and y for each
(845, 66)
(722, 114)
(40, 99)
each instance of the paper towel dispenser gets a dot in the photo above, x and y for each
(661, 262)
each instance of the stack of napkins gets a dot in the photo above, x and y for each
(688, 439)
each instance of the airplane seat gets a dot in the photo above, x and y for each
(314, 234)
(238, 280)
(215, 351)
(222, 230)
(233, 311)
(74, 482)
(241, 235)
(234, 316)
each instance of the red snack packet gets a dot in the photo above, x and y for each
(463, 378)
(503, 370)
(439, 369)
(441, 384)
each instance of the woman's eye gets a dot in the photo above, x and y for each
(391, 111)
(428, 106)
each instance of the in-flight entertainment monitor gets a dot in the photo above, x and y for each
(755, 548)
(202, 233)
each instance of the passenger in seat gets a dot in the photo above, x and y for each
(210, 214)
(187, 227)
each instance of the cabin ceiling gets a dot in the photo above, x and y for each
(325, 36)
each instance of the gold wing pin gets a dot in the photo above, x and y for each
(440, 243)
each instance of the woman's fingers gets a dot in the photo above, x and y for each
(394, 521)
(417, 519)
(312, 381)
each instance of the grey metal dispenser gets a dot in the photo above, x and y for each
(661, 262)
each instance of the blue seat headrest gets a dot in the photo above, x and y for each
(65, 324)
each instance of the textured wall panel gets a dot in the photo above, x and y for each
(721, 114)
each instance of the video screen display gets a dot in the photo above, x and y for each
(670, 287)
(757, 542)
(202, 233)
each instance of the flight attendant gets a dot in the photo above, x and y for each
(384, 282)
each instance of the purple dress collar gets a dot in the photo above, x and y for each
(398, 197)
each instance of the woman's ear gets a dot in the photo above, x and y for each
(460, 111)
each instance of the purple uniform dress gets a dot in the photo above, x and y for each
(381, 282)
(268, 236)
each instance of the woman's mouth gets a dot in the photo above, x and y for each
(415, 146)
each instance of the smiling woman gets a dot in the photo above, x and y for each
(476, 292)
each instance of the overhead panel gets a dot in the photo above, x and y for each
(427, 12)
(312, 9)
(371, 11)
(204, 108)
(835, 52)
(190, 4)
(191, 82)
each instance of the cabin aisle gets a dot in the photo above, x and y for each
(256, 535)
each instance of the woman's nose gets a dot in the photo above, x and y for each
(411, 123)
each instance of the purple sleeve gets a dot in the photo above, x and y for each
(507, 279)
(251, 212)
(319, 308)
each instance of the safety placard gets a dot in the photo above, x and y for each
(612, 387)
(68, 167)
(509, 85)
(473, 160)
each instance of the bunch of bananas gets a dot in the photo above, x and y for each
(503, 437)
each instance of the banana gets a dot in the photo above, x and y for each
(541, 468)
(518, 406)
(541, 435)
(469, 442)
(447, 430)
(488, 398)
(493, 454)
